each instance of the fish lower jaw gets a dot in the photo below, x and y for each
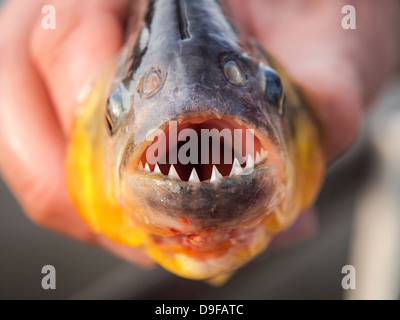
(160, 202)
(202, 266)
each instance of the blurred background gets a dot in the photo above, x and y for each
(358, 214)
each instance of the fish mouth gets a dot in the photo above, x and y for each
(239, 150)
(185, 198)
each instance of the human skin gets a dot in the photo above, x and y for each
(42, 72)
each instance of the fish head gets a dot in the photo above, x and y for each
(196, 127)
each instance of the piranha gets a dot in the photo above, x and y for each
(131, 169)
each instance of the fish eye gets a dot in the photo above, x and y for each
(117, 106)
(271, 84)
(235, 73)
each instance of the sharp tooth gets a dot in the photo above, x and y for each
(140, 166)
(249, 163)
(147, 168)
(258, 157)
(236, 168)
(264, 153)
(215, 175)
(157, 169)
(172, 173)
(194, 177)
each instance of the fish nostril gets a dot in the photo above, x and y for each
(234, 73)
(150, 83)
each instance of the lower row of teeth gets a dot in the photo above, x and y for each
(215, 174)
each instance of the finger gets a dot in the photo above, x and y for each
(31, 142)
(87, 34)
(336, 102)
(331, 87)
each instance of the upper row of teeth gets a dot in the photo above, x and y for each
(215, 174)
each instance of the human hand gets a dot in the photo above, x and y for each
(42, 73)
